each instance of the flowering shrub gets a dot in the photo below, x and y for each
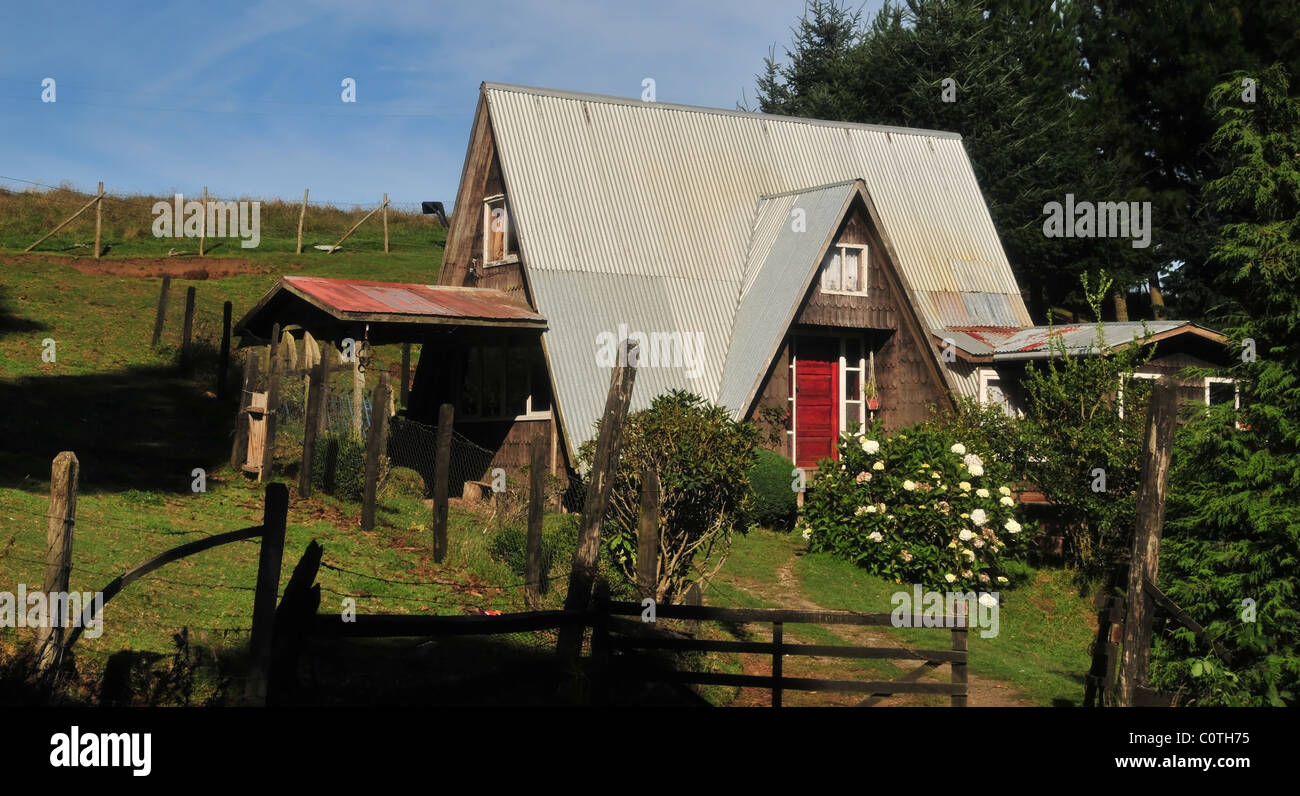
(917, 507)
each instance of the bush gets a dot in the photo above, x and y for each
(703, 459)
(917, 507)
(338, 466)
(775, 504)
(509, 545)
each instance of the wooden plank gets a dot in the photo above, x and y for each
(647, 536)
(374, 448)
(536, 500)
(274, 516)
(910, 677)
(385, 217)
(583, 575)
(441, 477)
(358, 394)
(348, 234)
(1144, 562)
(161, 317)
(1186, 620)
(750, 615)
(239, 451)
(256, 432)
(414, 625)
(65, 473)
(223, 362)
(630, 643)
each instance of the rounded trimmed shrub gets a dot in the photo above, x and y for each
(775, 503)
(917, 507)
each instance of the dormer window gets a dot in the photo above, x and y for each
(844, 269)
(498, 237)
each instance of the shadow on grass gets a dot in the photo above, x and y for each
(141, 428)
(11, 322)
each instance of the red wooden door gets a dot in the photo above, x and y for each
(817, 411)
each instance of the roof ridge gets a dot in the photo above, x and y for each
(616, 100)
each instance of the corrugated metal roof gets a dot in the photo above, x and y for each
(359, 296)
(1036, 342)
(781, 261)
(622, 188)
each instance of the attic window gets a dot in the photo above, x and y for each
(498, 237)
(844, 270)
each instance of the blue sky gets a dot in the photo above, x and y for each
(245, 98)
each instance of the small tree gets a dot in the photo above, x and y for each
(703, 459)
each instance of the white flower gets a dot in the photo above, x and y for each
(972, 460)
(1004, 490)
(958, 449)
(1012, 526)
(909, 485)
(987, 600)
(1006, 501)
(1001, 579)
(807, 534)
(859, 511)
(979, 543)
(875, 536)
(981, 492)
(984, 578)
(906, 556)
(878, 466)
(965, 535)
(970, 554)
(978, 517)
(966, 573)
(964, 486)
(870, 445)
(951, 578)
(977, 471)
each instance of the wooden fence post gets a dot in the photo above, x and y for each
(99, 218)
(302, 214)
(272, 407)
(223, 363)
(536, 498)
(64, 475)
(203, 222)
(385, 216)
(583, 575)
(311, 424)
(1145, 560)
(406, 375)
(960, 634)
(187, 334)
(274, 517)
(441, 479)
(162, 310)
(778, 642)
(324, 418)
(647, 536)
(239, 453)
(347, 234)
(374, 447)
(358, 394)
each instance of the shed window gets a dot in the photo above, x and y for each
(504, 382)
(498, 237)
(844, 269)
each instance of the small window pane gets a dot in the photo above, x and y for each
(851, 269)
(1222, 392)
(851, 387)
(831, 272)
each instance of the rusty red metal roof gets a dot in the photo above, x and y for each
(359, 296)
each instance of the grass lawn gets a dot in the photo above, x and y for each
(1045, 628)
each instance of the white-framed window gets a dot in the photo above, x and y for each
(844, 269)
(497, 234)
(992, 394)
(1221, 390)
(504, 382)
(1119, 395)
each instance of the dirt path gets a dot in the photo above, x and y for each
(787, 592)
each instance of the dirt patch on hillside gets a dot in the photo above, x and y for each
(181, 267)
